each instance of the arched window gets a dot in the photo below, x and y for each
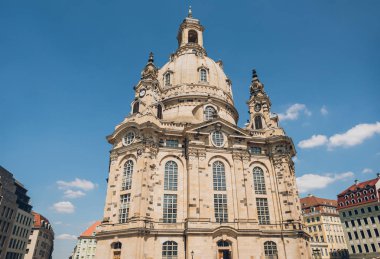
(223, 243)
(159, 111)
(136, 106)
(192, 36)
(210, 112)
(171, 176)
(116, 245)
(167, 79)
(127, 176)
(270, 250)
(203, 75)
(169, 250)
(259, 181)
(258, 122)
(219, 176)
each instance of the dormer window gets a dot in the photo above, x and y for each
(167, 79)
(192, 36)
(203, 75)
(210, 113)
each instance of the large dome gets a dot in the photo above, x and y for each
(185, 69)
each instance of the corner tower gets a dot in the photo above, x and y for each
(185, 181)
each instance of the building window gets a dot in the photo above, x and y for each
(127, 176)
(259, 181)
(172, 143)
(220, 207)
(167, 79)
(170, 208)
(255, 150)
(262, 210)
(171, 176)
(116, 245)
(258, 122)
(218, 138)
(192, 36)
(159, 111)
(136, 106)
(209, 112)
(270, 250)
(169, 250)
(203, 75)
(129, 138)
(219, 176)
(125, 201)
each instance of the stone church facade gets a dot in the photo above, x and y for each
(186, 182)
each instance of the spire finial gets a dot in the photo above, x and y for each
(151, 57)
(190, 15)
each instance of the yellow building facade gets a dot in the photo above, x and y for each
(186, 182)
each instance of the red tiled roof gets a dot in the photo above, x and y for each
(361, 185)
(90, 231)
(312, 201)
(38, 218)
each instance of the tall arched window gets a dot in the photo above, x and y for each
(127, 176)
(203, 75)
(258, 122)
(259, 181)
(169, 250)
(219, 176)
(209, 112)
(136, 106)
(159, 111)
(270, 250)
(171, 176)
(192, 36)
(167, 79)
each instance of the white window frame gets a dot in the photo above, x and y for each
(129, 138)
(127, 175)
(217, 138)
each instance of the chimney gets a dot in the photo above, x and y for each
(356, 181)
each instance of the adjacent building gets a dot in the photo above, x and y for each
(185, 181)
(41, 239)
(323, 224)
(359, 210)
(15, 217)
(86, 244)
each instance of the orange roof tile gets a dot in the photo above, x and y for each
(90, 231)
(312, 201)
(361, 185)
(38, 218)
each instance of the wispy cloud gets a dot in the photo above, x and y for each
(293, 112)
(70, 194)
(65, 207)
(310, 182)
(324, 110)
(314, 141)
(66, 237)
(352, 137)
(367, 171)
(83, 184)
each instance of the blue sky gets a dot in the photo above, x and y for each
(67, 71)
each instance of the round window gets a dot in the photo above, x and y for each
(129, 138)
(218, 138)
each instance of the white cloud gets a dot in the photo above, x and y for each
(314, 141)
(64, 207)
(324, 110)
(367, 171)
(350, 138)
(355, 135)
(309, 182)
(70, 194)
(77, 183)
(293, 112)
(66, 237)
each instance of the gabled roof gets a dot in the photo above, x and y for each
(312, 201)
(89, 232)
(223, 123)
(361, 185)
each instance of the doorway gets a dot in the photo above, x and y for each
(224, 254)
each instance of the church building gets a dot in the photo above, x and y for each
(185, 182)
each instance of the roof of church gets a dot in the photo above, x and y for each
(89, 232)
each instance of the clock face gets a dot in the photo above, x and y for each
(142, 93)
(257, 107)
